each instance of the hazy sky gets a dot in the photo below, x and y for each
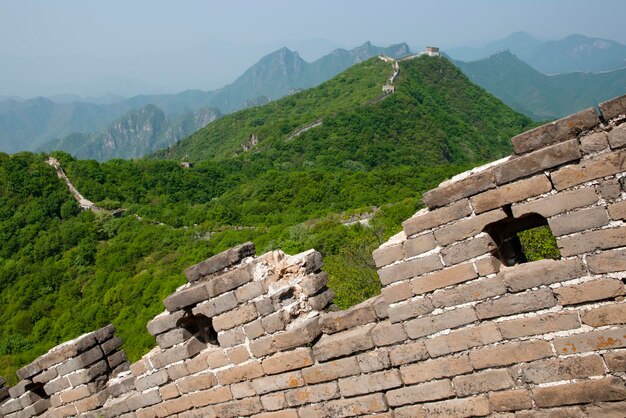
(169, 45)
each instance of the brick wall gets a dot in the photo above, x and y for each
(462, 328)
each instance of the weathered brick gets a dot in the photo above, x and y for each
(369, 383)
(411, 268)
(407, 353)
(287, 413)
(242, 390)
(616, 360)
(217, 305)
(607, 261)
(243, 407)
(558, 203)
(588, 391)
(374, 360)
(344, 343)
(397, 292)
(140, 400)
(488, 265)
(183, 351)
(80, 392)
(197, 382)
(516, 303)
(554, 132)
(331, 371)
(428, 325)
(431, 391)
(594, 142)
(468, 227)
(542, 272)
(481, 382)
(277, 382)
(238, 316)
(607, 410)
(605, 315)
(617, 136)
(360, 406)
(220, 261)
(540, 160)
(613, 108)
(230, 280)
(381, 307)
(301, 334)
(387, 254)
(462, 251)
(173, 337)
(312, 394)
(424, 220)
(89, 374)
(540, 324)
(169, 391)
(463, 339)
(187, 296)
(313, 283)
(239, 373)
(591, 341)
(409, 309)
(590, 291)
(290, 360)
(556, 369)
(596, 167)
(360, 314)
(275, 322)
(249, 291)
(238, 355)
(453, 190)
(578, 221)
(312, 411)
(419, 245)
(211, 396)
(435, 369)
(263, 346)
(85, 359)
(54, 386)
(139, 367)
(510, 353)
(510, 400)
(157, 378)
(511, 193)
(320, 301)
(617, 211)
(254, 329)
(274, 401)
(36, 408)
(386, 333)
(477, 290)
(216, 358)
(443, 278)
(477, 406)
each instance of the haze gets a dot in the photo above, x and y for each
(147, 46)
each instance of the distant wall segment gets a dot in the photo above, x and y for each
(464, 327)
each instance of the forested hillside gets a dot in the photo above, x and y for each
(65, 272)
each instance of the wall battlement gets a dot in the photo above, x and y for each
(463, 327)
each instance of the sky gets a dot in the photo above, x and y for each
(130, 46)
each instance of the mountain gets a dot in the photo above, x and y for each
(571, 54)
(538, 95)
(135, 134)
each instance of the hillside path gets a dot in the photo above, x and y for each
(85, 204)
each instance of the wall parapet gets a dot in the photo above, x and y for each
(463, 327)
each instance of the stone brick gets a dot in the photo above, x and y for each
(169, 391)
(360, 406)
(275, 322)
(231, 337)
(274, 401)
(428, 325)
(157, 378)
(300, 334)
(463, 339)
(454, 190)
(197, 382)
(443, 278)
(312, 411)
(424, 220)
(588, 391)
(381, 307)
(468, 227)
(605, 315)
(594, 168)
(419, 245)
(387, 254)
(263, 346)
(74, 394)
(238, 355)
(230, 280)
(556, 369)
(407, 353)
(607, 261)
(554, 132)
(386, 333)
(516, 303)
(287, 413)
(216, 358)
(312, 394)
(590, 291)
(217, 305)
(141, 400)
(87, 375)
(360, 314)
(369, 383)
(477, 406)
(313, 283)
(607, 410)
(591, 341)
(175, 406)
(239, 373)
(474, 291)
(431, 391)
(411, 268)
(290, 360)
(331, 370)
(617, 211)
(243, 407)
(173, 337)
(374, 360)
(542, 272)
(320, 301)
(211, 396)
(540, 160)
(578, 221)
(277, 382)
(540, 324)
(187, 296)
(488, 265)
(481, 382)
(558, 203)
(238, 316)
(249, 291)
(42, 378)
(397, 292)
(139, 367)
(54, 386)
(435, 369)
(242, 390)
(175, 354)
(617, 136)
(220, 261)
(616, 360)
(613, 108)
(253, 329)
(594, 142)
(510, 400)
(510, 353)
(344, 343)
(409, 309)
(511, 193)
(610, 189)
(463, 251)
(10, 406)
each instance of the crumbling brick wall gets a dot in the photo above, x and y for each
(464, 327)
